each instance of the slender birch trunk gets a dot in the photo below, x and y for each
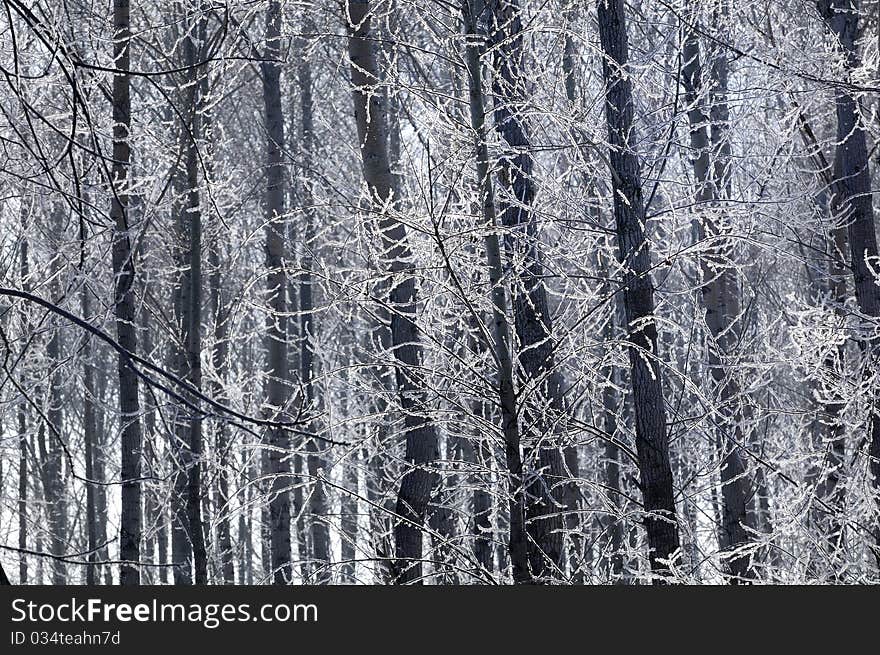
(90, 437)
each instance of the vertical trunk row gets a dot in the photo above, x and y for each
(421, 436)
(652, 442)
(719, 295)
(276, 283)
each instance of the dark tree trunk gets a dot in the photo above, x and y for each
(481, 501)
(189, 310)
(320, 532)
(276, 283)
(652, 443)
(90, 434)
(22, 440)
(855, 200)
(420, 479)
(720, 298)
(130, 525)
(828, 276)
(577, 540)
(541, 383)
(500, 338)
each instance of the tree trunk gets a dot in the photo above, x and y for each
(276, 282)
(219, 357)
(90, 432)
(130, 523)
(181, 546)
(441, 519)
(541, 383)
(518, 539)
(22, 439)
(615, 525)
(100, 466)
(721, 302)
(652, 443)
(420, 479)
(52, 453)
(22, 496)
(829, 434)
(189, 311)
(348, 508)
(854, 198)
(50, 464)
(320, 532)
